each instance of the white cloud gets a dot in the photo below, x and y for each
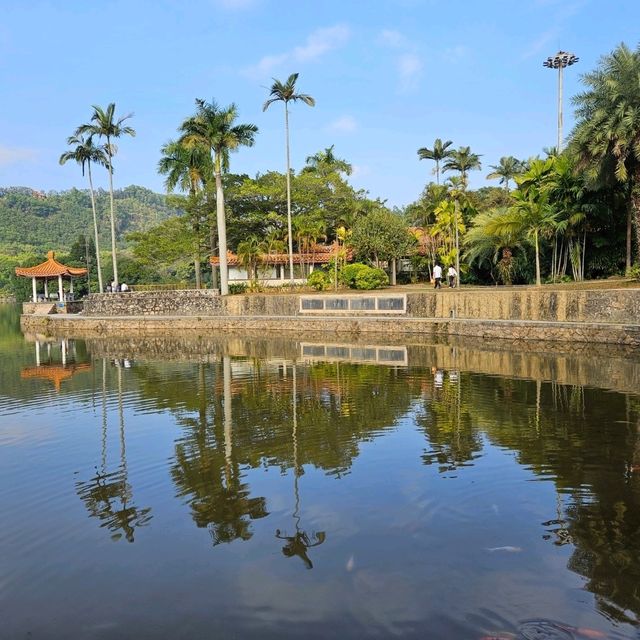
(343, 124)
(316, 45)
(410, 69)
(15, 155)
(360, 170)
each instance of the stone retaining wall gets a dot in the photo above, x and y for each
(620, 306)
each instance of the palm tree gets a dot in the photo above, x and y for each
(212, 128)
(84, 152)
(104, 124)
(326, 161)
(607, 134)
(286, 92)
(462, 160)
(187, 168)
(249, 252)
(507, 169)
(439, 152)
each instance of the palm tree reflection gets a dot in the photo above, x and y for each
(107, 496)
(300, 542)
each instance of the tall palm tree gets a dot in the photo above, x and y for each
(326, 161)
(105, 124)
(286, 92)
(507, 169)
(439, 152)
(462, 160)
(213, 128)
(187, 168)
(84, 152)
(607, 134)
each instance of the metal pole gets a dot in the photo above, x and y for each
(457, 209)
(560, 109)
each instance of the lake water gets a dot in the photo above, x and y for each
(193, 487)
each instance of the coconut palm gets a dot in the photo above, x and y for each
(286, 92)
(507, 169)
(213, 128)
(84, 152)
(462, 160)
(439, 152)
(326, 161)
(607, 134)
(104, 124)
(187, 168)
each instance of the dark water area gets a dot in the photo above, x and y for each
(196, 487)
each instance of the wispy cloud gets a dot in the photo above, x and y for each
(408, 62)
(16, 155)
(316, 45)
(343, 124)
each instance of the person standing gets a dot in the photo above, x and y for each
(452, 275)
(437, 276)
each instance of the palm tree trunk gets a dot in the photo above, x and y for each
(538, 281)
(457, 210)
(438, 172)
(212, 247)
(629, 225)
(222, 228)
(289, 225)
(114, 258)
(95, 230)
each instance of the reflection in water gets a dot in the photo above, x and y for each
(300, 542)
(257, 441)
(108, 495)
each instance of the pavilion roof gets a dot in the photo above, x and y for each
(320, 254)
(50, 268)
(55, 373)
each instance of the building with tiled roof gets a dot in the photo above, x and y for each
(51, 268)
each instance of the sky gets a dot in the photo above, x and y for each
(388, 76)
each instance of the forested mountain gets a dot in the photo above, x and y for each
(34, 222)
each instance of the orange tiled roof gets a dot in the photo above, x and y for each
(322, 254)
(50, 269)
(53, 372)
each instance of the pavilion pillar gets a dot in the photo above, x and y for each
(46, 288)
(282, 272)
(63, 348)
(60, 291)
(71, 285)
(37, 353)
(35, 292)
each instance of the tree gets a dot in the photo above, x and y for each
(462, 160)
(606, 137)
(84, 152)
(188, 168)
(325, 162)
(286, 92)
(213, 128)
(439, 152)
(105, 125)
(507, 169)
(249, 253)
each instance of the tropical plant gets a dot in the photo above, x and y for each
(84, 152)
(319, 280)
(105, 124)
(326, 161)
(286, 92)
(213, 128)
(249, 253)
(189, 168)
(439, 152)
(462, 160)
(606, 137)
(507, 169)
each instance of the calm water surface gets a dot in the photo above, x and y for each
(191, 488)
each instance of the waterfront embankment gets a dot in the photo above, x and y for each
(567, 315)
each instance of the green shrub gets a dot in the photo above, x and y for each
(319, 280)
(634, 272)
(362, 276)
(237, 287)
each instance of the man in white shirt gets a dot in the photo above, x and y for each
(452, 274)
(437, 276)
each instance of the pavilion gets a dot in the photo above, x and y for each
(50, 269)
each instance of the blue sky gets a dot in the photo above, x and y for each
(388, 76)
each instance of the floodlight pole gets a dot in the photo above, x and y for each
(561, 60)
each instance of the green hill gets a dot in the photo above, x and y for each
(34, 222)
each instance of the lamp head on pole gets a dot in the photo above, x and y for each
(561, 60)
